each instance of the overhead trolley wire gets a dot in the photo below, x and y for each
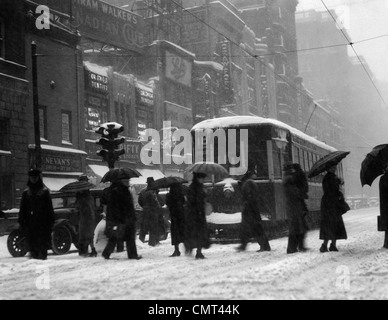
(358, 57)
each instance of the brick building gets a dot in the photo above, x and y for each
(60, 92)
(13, 102)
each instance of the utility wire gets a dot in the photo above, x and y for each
(246, 51)
(250, 54)
(256, 57)
(358, 57)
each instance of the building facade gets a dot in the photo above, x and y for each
(14, 86)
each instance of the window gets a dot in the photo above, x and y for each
(43, 122)
(4, 134)
(2, 38)
(306, 161)
(66, 127)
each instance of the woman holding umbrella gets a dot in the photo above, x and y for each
(196, 226)
(87, 219)
(332, 224)
(383, 192)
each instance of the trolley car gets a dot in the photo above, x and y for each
(271, 144)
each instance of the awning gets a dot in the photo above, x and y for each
(146, 173)
(55, 184)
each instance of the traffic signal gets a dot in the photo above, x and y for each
(110, 142)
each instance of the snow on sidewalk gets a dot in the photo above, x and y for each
(358, 271)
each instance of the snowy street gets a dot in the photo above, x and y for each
(358, 271)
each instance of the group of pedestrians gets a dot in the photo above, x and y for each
(333, 206)
(187, 214)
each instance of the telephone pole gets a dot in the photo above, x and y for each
(38, 148)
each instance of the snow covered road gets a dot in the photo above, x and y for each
(358, 271)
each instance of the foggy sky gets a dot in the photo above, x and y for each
(363, 19)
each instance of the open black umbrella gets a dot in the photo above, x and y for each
(209, 168)
(120, 173)
(166, 182)
(374, 164)
(327, 162)
(77, 186)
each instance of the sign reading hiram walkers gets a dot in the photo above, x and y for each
(103, 22)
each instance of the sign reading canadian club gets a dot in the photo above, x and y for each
(101, 21)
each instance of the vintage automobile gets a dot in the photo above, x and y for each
(65, 230)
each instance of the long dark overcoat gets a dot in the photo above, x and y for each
(151, 211)
(87, 218)
(251, 223)
(332, 224)
(120, 209)
(175, 201)
(196, 235)
(295, 193)
(383, 191)
(36, 217)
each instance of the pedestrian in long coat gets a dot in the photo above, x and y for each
(196, 235)
(87, 223)
(383, 192)
(121, 211)
(36, 216)
(104, 203)
(251, 222)
(175, 201)
(152, 208)
(296, 189)
(332, 225)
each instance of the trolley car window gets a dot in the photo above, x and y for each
(257, 158)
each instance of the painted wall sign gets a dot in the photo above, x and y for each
(59, 162)
(96, 82)
(178, 69)
(104, 22)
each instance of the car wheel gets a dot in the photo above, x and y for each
(61, 240)
(17, 244)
